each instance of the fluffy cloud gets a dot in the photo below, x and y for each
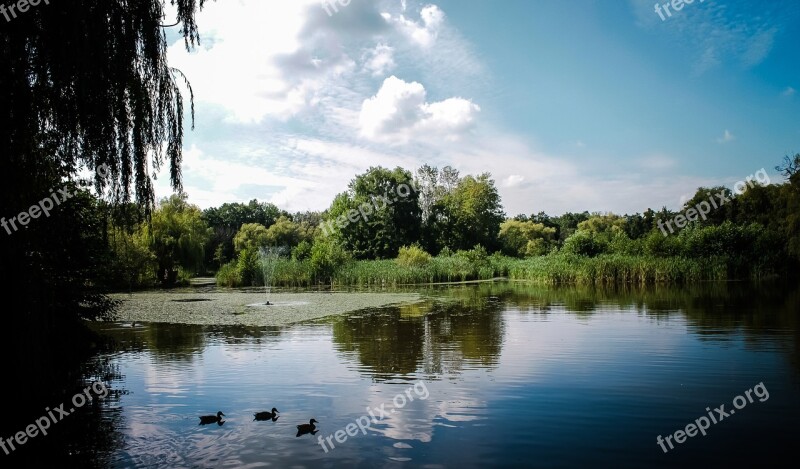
(423, 32)
(399, 112)
(380, 60)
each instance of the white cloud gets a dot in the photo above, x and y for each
(399, 112)
(788, 92)
(380, 60)
(726, 137)
(304, 85)
(513, 180)
(423, 32)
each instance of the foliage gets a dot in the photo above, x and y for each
(177, 235)
(227, 220)
(228, 275)
(125, 109)
(467, 214)
(413, 256)
(250, 236)
(377, 216)
(525, 238)
(327, 256)
(248, 265)
(584, 243)
(302, 251)
(284, 232)
(132, 264)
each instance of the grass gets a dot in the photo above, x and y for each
(553, 269)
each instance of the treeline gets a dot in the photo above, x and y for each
(395, 226)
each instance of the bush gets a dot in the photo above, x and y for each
(583, 243)
(476, 256)
(249, 267)
(326, 256)
(302, 251)
(228, 275)
(413, 256)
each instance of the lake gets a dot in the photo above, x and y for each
(485, 375)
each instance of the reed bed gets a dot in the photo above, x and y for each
(554, 269)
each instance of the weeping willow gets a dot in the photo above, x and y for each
(86, 83)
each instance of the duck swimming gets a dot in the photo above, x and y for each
(206, 419)
(267, 415)
(307, 428)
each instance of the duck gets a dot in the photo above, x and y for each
(307, 428)
(206, 419)
(273, 415)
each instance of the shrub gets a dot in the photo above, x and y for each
(228, 275)
(302, 251)
(249, 266)
(326, 256)
(413, 256)
(583, 243)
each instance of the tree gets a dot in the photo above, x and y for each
(177, 235)
(250, 236)
(469, 215)
(285, 232)
(568, 223)
(88, 83)
(433, 185)
(716, 215)
(790, 167)
(791, 201)
(84, 84)
(377, 215)
(525, 238)
(227, 219)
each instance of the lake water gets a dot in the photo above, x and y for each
(489, 375)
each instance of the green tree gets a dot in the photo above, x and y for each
(85, 84)
(720, 196)
(285, 232)
(226, 221)
(250, 236)
(469, 215)
(132, 265)
(326, 256)
(377, 215)
(177, 235)
(567, 223)
(525, 238)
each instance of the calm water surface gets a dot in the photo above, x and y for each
(507, 375)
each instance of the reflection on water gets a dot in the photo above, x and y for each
(517, 376)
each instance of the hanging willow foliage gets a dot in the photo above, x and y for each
(87, 83)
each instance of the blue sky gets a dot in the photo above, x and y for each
(571, 105)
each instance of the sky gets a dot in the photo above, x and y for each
(570, 105)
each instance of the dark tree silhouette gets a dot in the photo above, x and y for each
(84, 84)
(87, 83)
